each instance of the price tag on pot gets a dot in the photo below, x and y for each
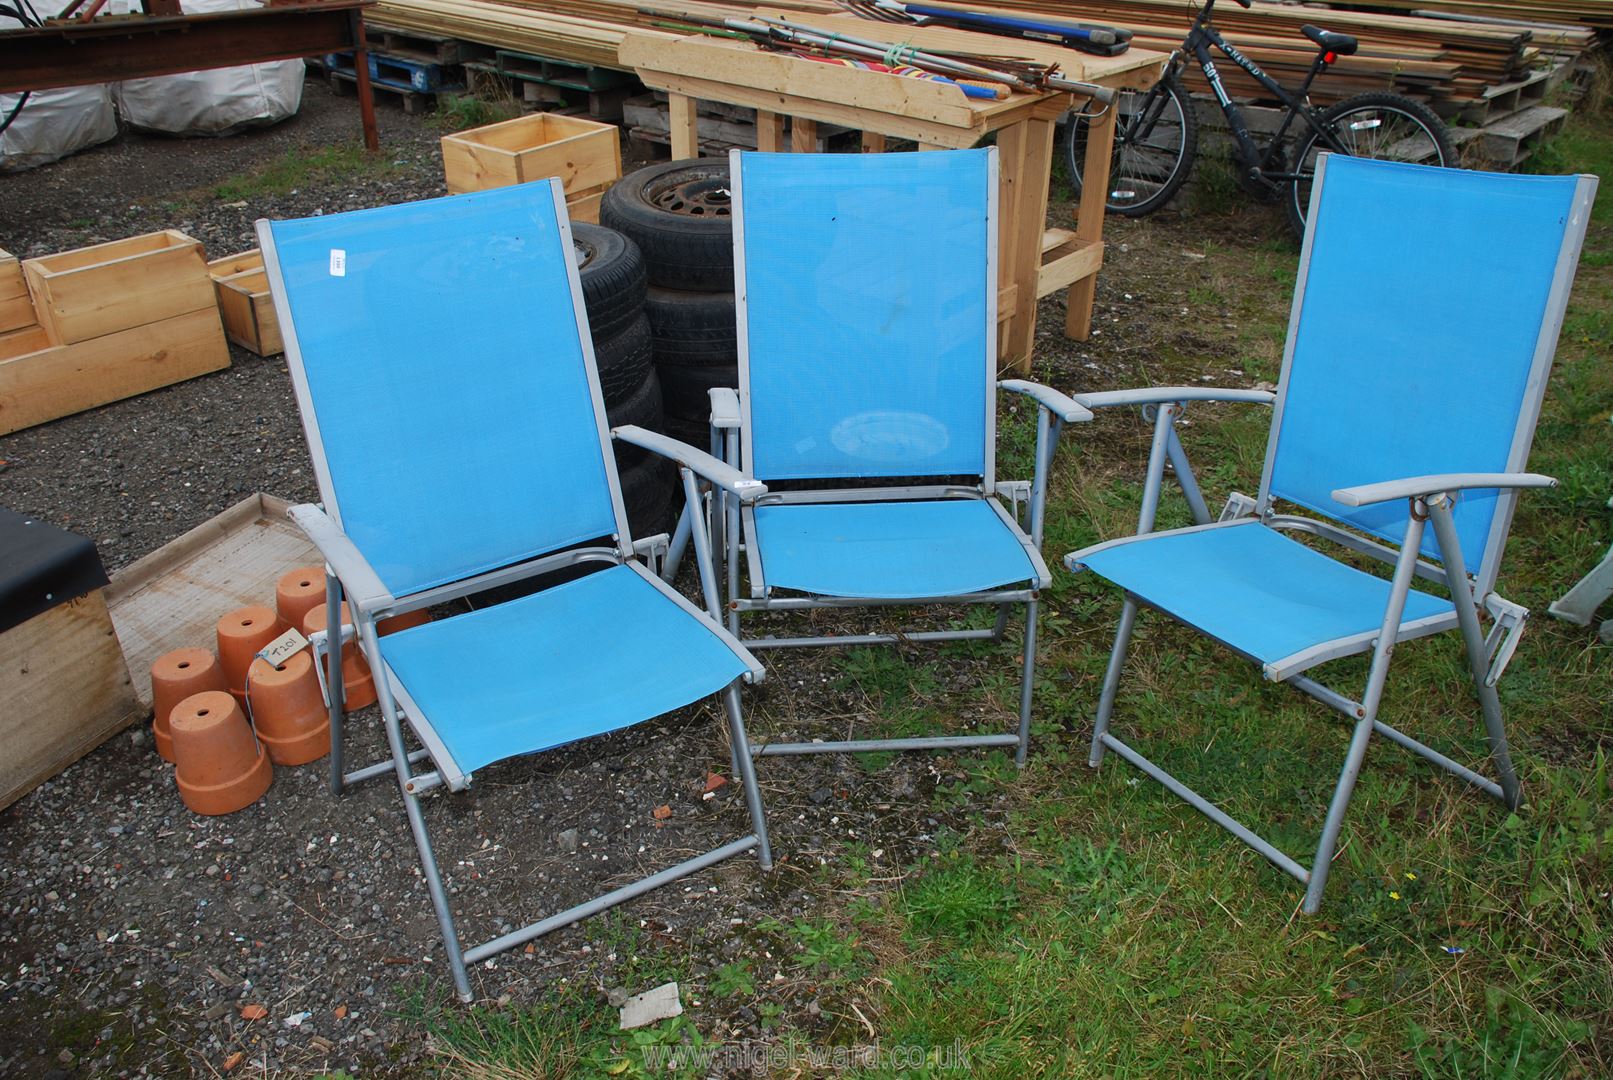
(284, 647)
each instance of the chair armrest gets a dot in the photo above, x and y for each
(1061, 406)
(701, 463)
(1413, 486)
(724, 407)
(1155, 395)
(359, 581)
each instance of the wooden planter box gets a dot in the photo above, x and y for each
(584, 154)
(244, 303)
(16, 306)
(96, 291)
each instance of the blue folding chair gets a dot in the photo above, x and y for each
(442, 364)
(867, 298)
(1424, 324)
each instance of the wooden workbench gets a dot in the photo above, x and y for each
(1033, 260)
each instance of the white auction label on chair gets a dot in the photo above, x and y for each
(284, 647)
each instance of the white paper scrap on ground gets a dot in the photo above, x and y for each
(651, 1007)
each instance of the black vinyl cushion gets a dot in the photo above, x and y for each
(41, 567)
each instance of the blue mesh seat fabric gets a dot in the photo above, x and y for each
(1254, 589)
(898, 550)
(589, 656)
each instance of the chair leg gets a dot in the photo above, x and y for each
(1027, 685)
(1111, 680)
(1335, 816)
(333, 663)
(744, 766)
(439, 895)
(411, 805)
(1467, 617)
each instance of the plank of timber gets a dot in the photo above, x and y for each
(826, 112)
(66, 689)
(745, 66)
(1068, 263)
(685, 120)
(170, 598)
(16, 312)
(873, 142)
(769, 131)
(803, 135)
(65, 379)
(1052, 238)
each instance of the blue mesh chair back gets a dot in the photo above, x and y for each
(1419, 341)
(867, 312)
(449, 394)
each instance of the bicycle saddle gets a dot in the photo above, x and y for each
(1343, 44)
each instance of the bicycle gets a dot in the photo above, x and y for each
(1156, 132)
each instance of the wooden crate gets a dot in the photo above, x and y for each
(96, 291)
(16, 305)
(173, 597)
(584, 206)
(66, 690)
(242, 287)
(584, 154)
(41, 380)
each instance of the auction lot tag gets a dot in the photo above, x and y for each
(284, 647)
(338, 262)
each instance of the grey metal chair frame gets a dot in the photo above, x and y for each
(349, 576)
(1430, 500)
(731, 525)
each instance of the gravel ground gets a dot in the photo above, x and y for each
(132, 933)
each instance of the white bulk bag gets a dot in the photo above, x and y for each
(53, 123)
(215, 102)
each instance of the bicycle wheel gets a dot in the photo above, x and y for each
(1156, 138)
(1386, 127)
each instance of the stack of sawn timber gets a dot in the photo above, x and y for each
(1449, 62)
(1444, 61)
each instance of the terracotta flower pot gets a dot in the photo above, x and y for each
(219, 767)
(241, 633)
(402, 622)
(298, 591)
(288, 711)
(175, 676)
(358, 688)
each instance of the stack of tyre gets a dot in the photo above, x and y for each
(678, 214)
(613, 290)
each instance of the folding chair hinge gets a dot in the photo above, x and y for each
(1502, 641)
(319, 647)
(1018, 494)
(1237, 506)
(653, 550)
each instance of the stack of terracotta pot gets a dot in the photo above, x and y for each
(225, 718)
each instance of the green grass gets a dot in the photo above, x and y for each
(1093, 925)
(298, 168)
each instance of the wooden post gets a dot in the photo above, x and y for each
(931, 146)
(685, 133)
(1026, 152)
(803, 135)
(873, 142)
(361, 74)
(1089, 219)
(769, 131)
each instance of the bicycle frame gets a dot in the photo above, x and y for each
(1198, 43)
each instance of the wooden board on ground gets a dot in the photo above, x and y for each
(40, 381)
(173, 597)
(66, 690)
